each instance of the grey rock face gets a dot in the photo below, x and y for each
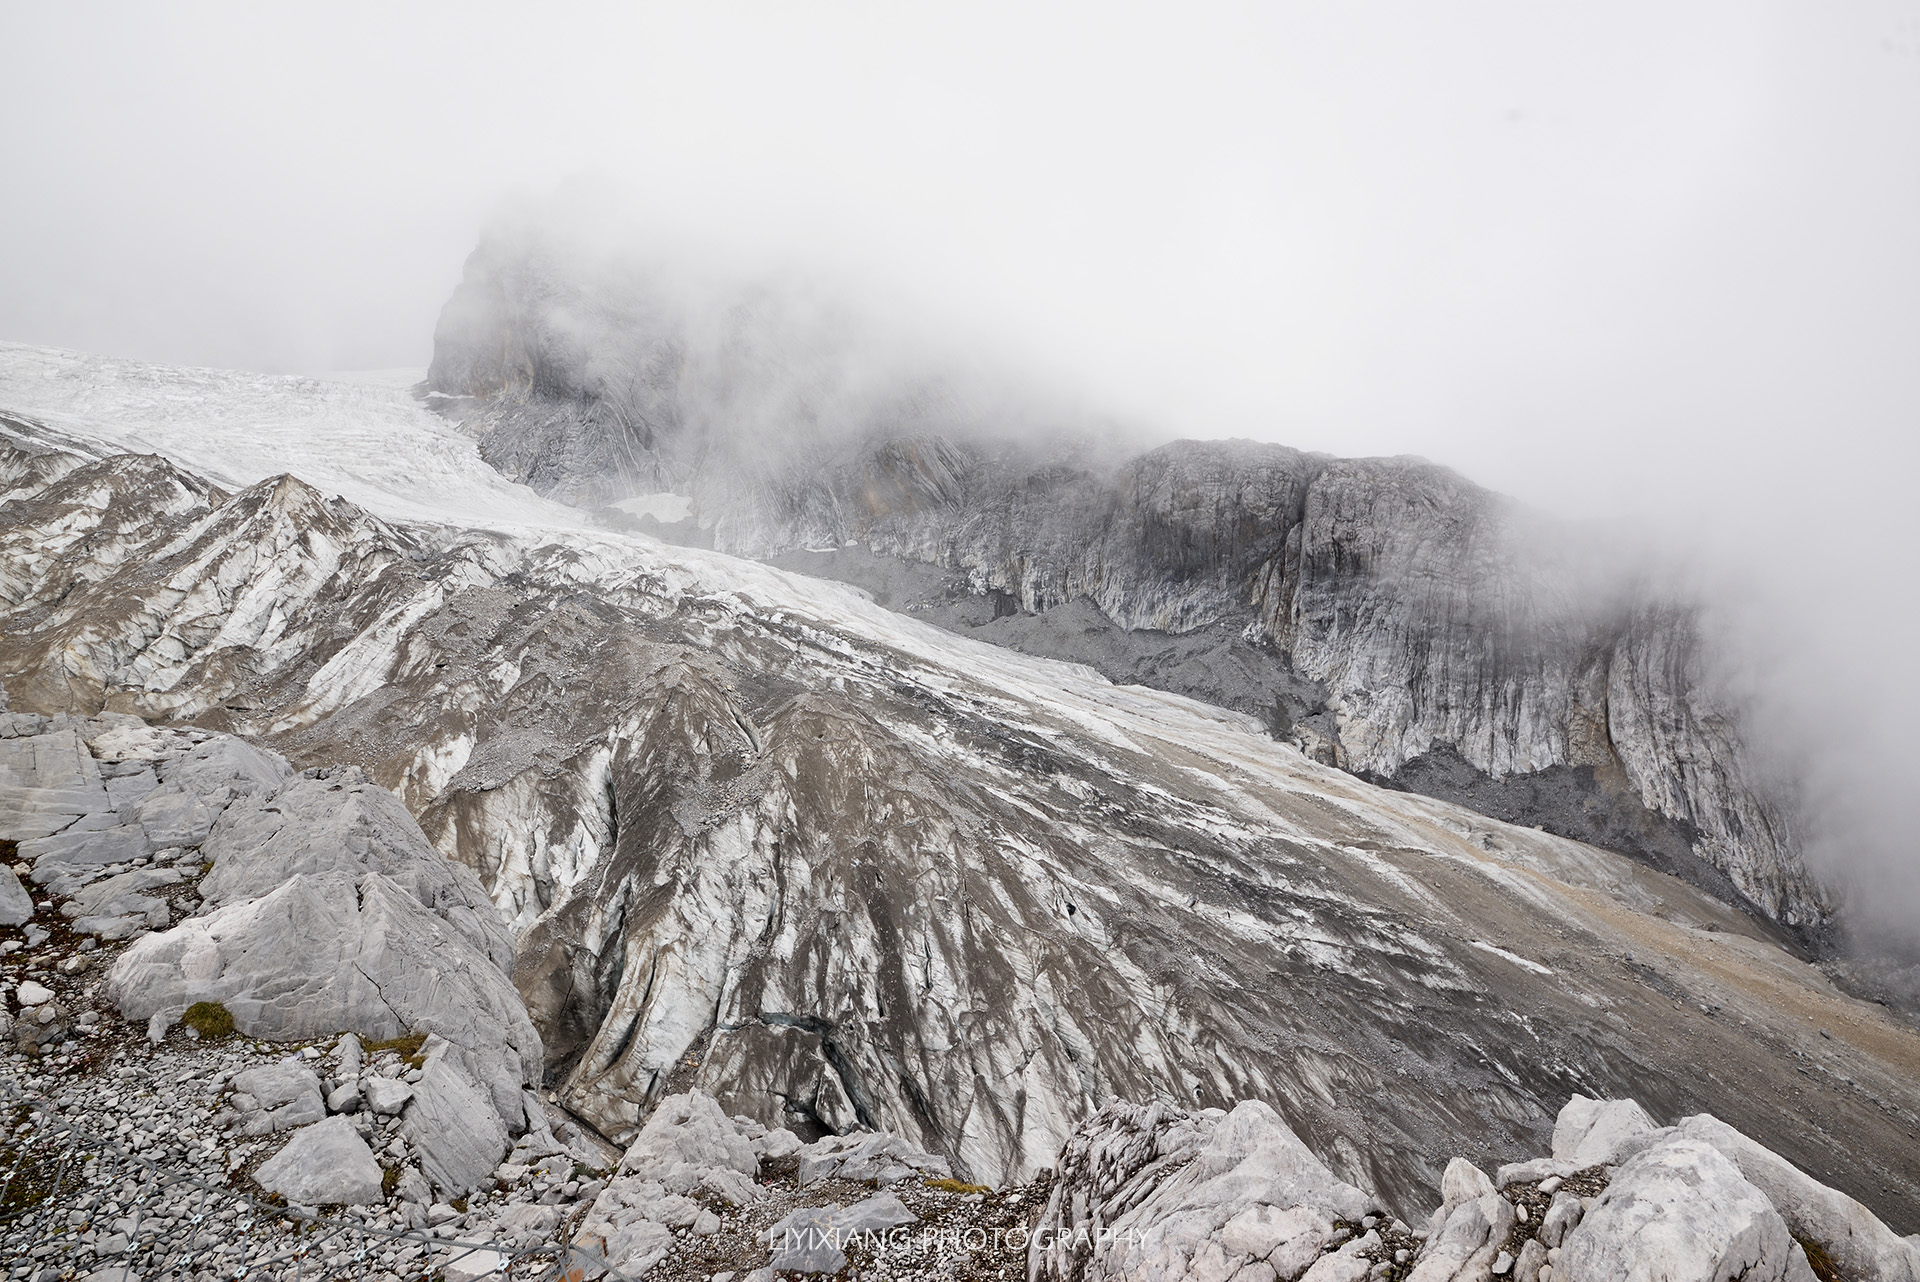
(16, 905)
(454, 1127)
(1436, 619)
(1852, 1236)
(387, 1095)
(324, 953)
(346, 827)
(47, 781)
(1680, 1210)
(286, 1095)
(863, 874)
(1154, 1193)
(1590, 1132)
(324, 1164)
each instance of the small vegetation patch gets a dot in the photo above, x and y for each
(210, 1020)
(955, 1186)
(1823, 1266)
(407, 1048)
(389, 1181)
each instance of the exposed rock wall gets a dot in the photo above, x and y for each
(755, 834)
(1433, 617)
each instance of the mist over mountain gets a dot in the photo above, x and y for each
(732, 642)
(1385, 615)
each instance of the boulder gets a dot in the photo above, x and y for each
(453, 1126)
(386, 1095)
(689, 1129)
(124, 895)
(322, 827)
(1465, 1244)
(127, 783)
(1592, 1132)
(1155, 1192)
(320, 954)
(86, 847)
(1563, 1213)
(324, 1164)
(224, 763)
(16, 905)
(1851, 1235)
(287, 1093)
(1682, 1212)
(866, 1155)
(174, 815)
(47, 781)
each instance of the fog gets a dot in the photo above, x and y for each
(1651, 263)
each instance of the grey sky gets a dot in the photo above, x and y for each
(1654, 258)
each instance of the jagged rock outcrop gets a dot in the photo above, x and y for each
(756, 835)
(1156, 1194)
(1410, 626)
(314, 906)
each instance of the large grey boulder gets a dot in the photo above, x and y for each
(689, 1144)
(1157, 1195)
(813, 1239)
(224, 763)
(324, 1164)
(1681, 1212)
(125, 894)
(47, 781)
(1588, 1133)
(1591, 1132)
(1467, 1232)
(340, 824)
(452, 1123)
(689, 1149)
(127, 783)
(863, 1156)
(16, 905)
(322, 954)
(279, 1096)
(1853, 1237)
(92, 842)
(175, 815)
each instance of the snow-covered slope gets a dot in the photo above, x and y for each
(363, 438)
(756, 833)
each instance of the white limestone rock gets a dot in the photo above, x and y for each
(1859, 1244)
(286, 1094)
(322, 953)
(865, 1155)
(1590, 1132)
(226, 763)
(1468, 1239)
(1681, 1211)
(339, 824)
(453, 1126)
(386, 1095)
(47, 781)
(324, 1164)
(16, 905)
(1154, 1193)
(689, 1144)
(174, 815)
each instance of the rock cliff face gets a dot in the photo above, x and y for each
(1385, 614)
(753, 833)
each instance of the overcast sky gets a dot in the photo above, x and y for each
(1661, 259)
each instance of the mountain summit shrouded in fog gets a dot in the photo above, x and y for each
(1385, 614)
